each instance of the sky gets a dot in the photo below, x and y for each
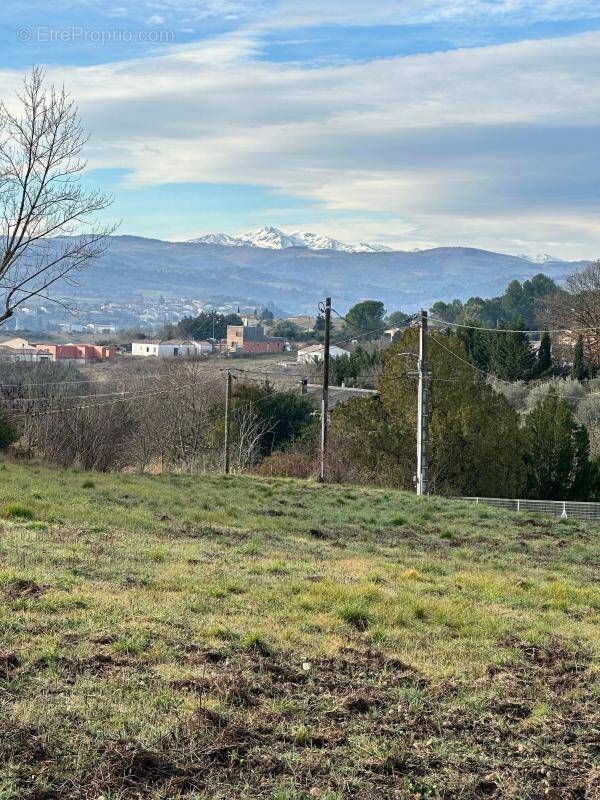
(412, 123)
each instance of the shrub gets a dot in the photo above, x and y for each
(8, 432)
(17, 511)
(287, 465)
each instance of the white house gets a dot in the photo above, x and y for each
(170, 348)
(316, 352)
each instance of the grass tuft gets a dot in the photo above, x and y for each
(357, 614)
(17, 511)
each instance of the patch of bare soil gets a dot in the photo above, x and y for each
(361, 724)
(9, 664)
(21, 587)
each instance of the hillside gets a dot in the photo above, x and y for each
(228, 637)
(296, 277)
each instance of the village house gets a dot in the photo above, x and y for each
(251, 339)
(171, 348)
(316, 352)
(80, 353)
(19, 349)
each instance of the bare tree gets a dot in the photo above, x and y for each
(48, 233)
(250, 428)
(578, 308)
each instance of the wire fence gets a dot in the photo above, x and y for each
(556, 508)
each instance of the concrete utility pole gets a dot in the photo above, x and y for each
(227, 421)
(325, 402)
(423, 409)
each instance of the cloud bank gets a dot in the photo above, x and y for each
(493, 146)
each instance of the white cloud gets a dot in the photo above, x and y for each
(484, 146)
(299, 13)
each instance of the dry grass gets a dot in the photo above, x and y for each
(217, 637)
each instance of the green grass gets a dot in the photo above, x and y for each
(233, 637)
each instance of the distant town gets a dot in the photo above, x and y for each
(138, 312)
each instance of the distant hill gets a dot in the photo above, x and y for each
(296, 278)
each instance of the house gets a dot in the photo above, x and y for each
(316, 352)
(79, 353)
(391, 334)
(252, 339)
(21, 350)
(170, 348)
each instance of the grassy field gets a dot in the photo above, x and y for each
(233, 637)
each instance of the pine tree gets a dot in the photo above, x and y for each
(579, 370)
(544, 361)
(512, 358)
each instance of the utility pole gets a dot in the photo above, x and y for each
(227, 420)
(325, 401)
(423, 409)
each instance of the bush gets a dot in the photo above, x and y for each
(516, 393)
(588, 414)
(566, 389)
(287, 465)
(8, 431)
(17, 511)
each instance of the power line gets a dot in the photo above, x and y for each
(367, 333)
(509, 330)
(85, 380)
(134, 394)
(468, 363)
(121, 392)
(94, 405)
(479, 383)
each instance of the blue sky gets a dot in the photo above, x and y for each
(410, 123)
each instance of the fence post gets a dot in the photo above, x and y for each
(564, 514)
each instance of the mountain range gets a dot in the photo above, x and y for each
(297, 278)
(275, 239)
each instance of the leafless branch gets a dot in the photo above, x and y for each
(48, 233)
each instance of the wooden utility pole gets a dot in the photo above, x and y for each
(227, 421)
(423, 409)
(325, 401)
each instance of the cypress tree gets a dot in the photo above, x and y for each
(579, 370)
(544, 362)
(557, 452)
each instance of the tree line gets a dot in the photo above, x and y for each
(480, 444)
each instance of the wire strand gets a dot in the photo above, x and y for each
(508, 330)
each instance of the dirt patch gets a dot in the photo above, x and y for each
(362, 724)
(530, 523)
(9, 664)
(20, 742)
(21, 587)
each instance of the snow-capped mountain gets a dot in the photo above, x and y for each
(542, 258)
(275, 239)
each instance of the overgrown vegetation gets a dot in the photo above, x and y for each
(478, 444)
(168, 419)
(224, 638)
